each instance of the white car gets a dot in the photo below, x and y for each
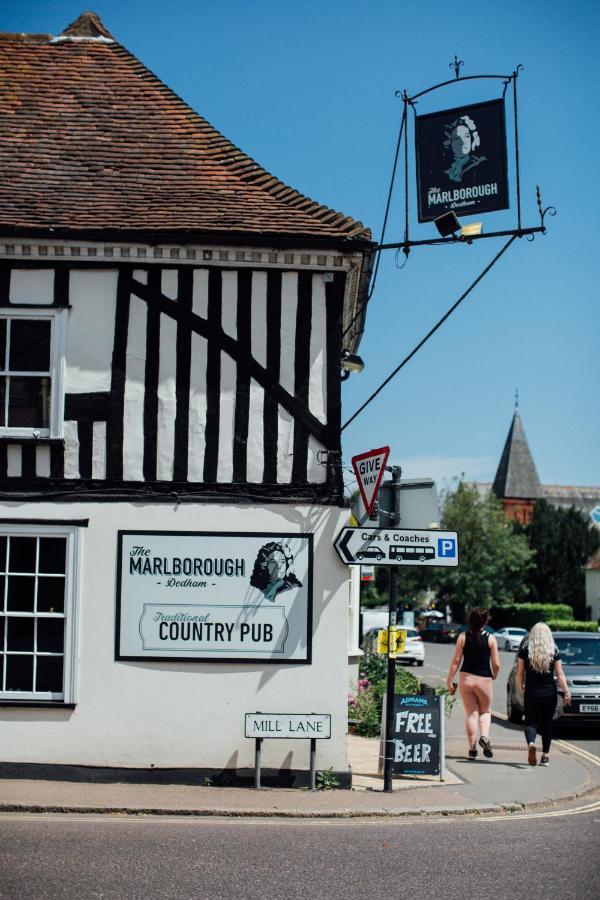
(510, 638)
(414, 653)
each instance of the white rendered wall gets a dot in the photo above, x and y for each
(165, 714)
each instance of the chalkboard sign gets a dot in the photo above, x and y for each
(418, 742)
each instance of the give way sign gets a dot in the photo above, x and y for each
(369, 468)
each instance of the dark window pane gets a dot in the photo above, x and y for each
(51, 594)
(21, 592)
(29, 402)
(2, 580)
(21, 556)
(2, 402)
(53, 552)
(19, 673)
(1, 641)
(19, 634)
(2, 344)
(2, 554)
(50, 635)
(49, 674)
(29, 346)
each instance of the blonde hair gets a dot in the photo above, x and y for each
(541, 648)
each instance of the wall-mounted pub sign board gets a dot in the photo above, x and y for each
(461, 161)
(234, 597)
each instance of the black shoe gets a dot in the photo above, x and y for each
(473, 754)
(487, 747)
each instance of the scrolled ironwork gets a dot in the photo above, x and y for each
(457, 65)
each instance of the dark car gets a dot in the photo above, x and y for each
(580, 655)
(437, 631)
(460, 629)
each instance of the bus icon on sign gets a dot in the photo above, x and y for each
(410, 553)
(447, 547)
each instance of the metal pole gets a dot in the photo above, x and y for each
(391, 664)
(442, 738)
(257, 747)
(313, 764)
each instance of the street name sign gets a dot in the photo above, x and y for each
(369, 469)
(397, 547)
(288, 725)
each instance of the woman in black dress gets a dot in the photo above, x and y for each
(539, 663)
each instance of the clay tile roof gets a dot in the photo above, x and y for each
(517, 476)
(92, 142)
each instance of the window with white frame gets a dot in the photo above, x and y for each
(38, 612)
(31, 366)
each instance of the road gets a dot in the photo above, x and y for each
(437, 662)
(76, 858)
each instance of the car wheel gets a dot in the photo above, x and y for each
(419, 662)
(513, 713)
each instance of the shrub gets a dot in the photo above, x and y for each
(525, 615)
(568, 625)
(365, 707)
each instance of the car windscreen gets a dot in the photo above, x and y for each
(579, 651)
(516, 631)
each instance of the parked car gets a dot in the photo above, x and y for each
(510, 638)
(460, 629)
(580, 655)
(414, 653)
(438, 631)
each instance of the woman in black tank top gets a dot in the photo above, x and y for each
(477, 651)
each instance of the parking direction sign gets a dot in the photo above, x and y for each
(369, 468)
(397, 547)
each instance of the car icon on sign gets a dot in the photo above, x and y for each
(371, 552)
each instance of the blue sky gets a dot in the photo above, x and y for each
(307, 89)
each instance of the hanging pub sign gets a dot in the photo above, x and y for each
(234, 597)
(461, 161)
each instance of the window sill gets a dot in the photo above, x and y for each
(37, 704)
(7, 438)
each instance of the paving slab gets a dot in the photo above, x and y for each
(505, 782)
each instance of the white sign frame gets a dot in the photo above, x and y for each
(219, 615)
(288, 726)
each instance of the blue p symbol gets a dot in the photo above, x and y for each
(446, 547)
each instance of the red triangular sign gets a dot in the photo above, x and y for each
(369, 468)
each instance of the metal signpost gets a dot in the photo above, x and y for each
(291, 726)
(393, 546)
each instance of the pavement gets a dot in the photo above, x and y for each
(505, 783)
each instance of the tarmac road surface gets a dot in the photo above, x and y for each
(75, 858)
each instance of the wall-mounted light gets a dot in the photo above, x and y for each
(350, 362)
(447, 224)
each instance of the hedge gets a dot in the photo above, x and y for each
(567, 625)
(525, 615)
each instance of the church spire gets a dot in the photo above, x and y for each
(517, 477)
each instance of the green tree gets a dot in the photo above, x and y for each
(562, 540)
(494, 561)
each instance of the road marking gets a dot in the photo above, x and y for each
(551, 814)
(277, 822)
(572, 748)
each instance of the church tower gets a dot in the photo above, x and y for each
(517, 483)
